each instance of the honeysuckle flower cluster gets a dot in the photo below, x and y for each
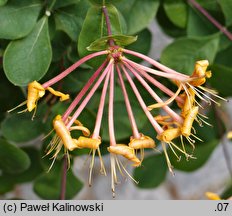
(117, 66)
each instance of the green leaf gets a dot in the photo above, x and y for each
(152, 172)
(199, 25)
(182, 54)
(60, 43)
(76, 81)
(224, 57)
(32, 172)
(120, 40)
(100, 2)
(12, 95)
(94, 27)
(167, 26)
(6, 184)
(202, 153)
(226, 6)
(70, 19)
(17, 18)
(28, 59)
(13, 160)
(177, 12)
(20, 127)
(62, 3)
(47, 186)
(142, 44)
(138, 14)
(221, 79)
(227, 193)
(2, 2)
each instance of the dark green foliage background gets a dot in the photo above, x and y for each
(38, 39)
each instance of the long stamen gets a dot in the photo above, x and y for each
(111, 110)
(73, 67)
(83, 91)
(174, 115)
(179, 76)
(90, 94)
(153, 62)
(154, 123)
(128, 106)
(167, 158)
(97, 127)
(113, 173)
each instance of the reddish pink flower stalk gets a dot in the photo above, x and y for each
(128, 106)
(83, 91)
(90, 94)
(72, 68)
(167, 127)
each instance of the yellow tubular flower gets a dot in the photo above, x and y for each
(188, 121)
(229, 135)
(93, 144)
(189, 102)
(85, 142)
(169, 134)
(63, 137)
(125, 151)
(166, 120)
(142, 143)
(212, 196)
(35, 91)
(200, 74)
(62, 96)
(63, 133)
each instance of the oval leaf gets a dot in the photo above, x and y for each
(2, 2)
(120, 40)
(70, 19)
(94, 27)
(176, 12)
(32, 172)
(182, 54)
(226, 6)
(28, 59)
(62, 3)
(47, 186)
(138, 14)
(167, 26)
(142, 45)
(18, 18)
(199, 25)
(99, 2)
(6, 184)
(13, 160)
(20, 127)
(152, 173)
(221, 79)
